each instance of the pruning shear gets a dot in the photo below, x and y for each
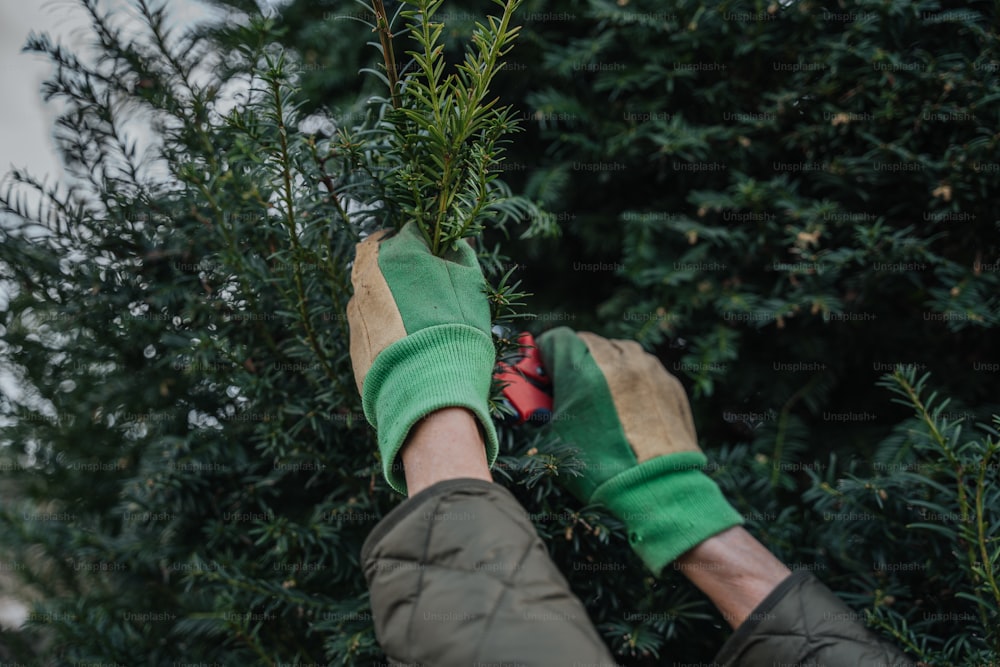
(527, 387)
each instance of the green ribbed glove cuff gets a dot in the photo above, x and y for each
(668, 505)
(449, 365)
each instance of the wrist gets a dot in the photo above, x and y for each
(446, 444)
(733, 569)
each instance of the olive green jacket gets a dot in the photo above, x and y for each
(459, 577)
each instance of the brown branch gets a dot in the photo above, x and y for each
(388, 52)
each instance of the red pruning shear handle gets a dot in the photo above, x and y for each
(528, 389)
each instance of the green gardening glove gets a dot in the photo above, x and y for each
(632, 423)
(420, 338)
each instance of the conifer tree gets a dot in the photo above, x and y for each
(790, 203)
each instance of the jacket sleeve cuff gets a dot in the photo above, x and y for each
(438, 367)
(802, 622)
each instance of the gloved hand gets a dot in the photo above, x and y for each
(420, 338)
(632, 423)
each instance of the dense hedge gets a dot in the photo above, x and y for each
(787, 203)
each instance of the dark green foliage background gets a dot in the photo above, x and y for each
(194, 346)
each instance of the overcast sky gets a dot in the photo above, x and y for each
(25, 124)
(25, 120)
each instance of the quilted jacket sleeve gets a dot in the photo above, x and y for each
(458, 576)
(802, 623)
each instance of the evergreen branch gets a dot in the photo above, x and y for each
(988, 570)
(382, 26)
(289, 197)
(255, 646)
(335, 274)
(913, 394)
(154, 19)
(779, 440)
(905, 638)
(912, 391)
(230, 242)
(431, 66)
(444, 129)
(328, 182)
